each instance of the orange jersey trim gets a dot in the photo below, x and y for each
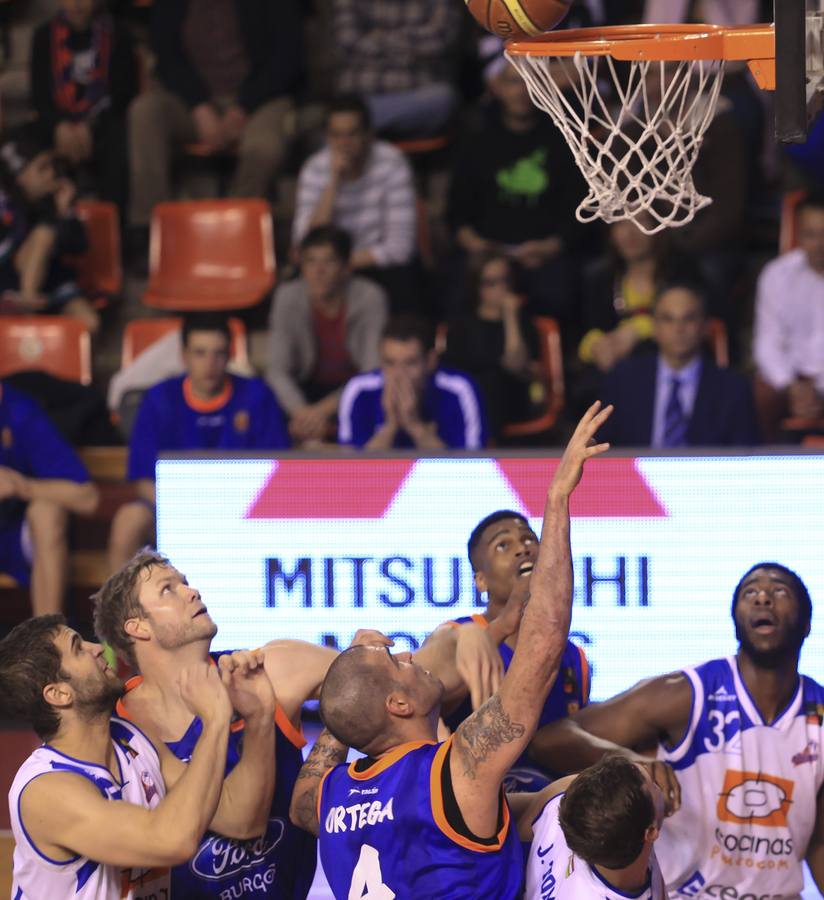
(207, 406)
(477, 618)
(292, 734)
(584, 676)
(439, 813)
(384, 762)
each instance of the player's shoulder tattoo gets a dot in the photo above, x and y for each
(484, 732)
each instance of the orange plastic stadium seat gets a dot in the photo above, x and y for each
(552, 366)
(59, 345)
(210, 254)
(142, 333)
(99, 269)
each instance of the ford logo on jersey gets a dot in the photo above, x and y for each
(220, 857)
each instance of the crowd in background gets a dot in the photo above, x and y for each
(425, 215)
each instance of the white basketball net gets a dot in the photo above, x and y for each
(636, 149)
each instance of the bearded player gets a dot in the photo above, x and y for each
(99, 810)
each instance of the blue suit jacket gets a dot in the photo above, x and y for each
(723, 414)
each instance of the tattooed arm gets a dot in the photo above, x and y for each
(327, 753)
(487, 744)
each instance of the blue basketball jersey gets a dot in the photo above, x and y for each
(281, 863)
(245, 416)
(384, 834)
(30, 444)
(569, 693)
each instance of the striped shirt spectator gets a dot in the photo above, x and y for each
(377, 208)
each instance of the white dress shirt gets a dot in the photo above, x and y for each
(688, 378)
(789, 322)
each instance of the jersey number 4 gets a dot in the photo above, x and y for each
(367, 881)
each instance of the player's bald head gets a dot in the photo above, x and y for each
(353, 696)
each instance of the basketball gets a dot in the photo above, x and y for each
(518, 18)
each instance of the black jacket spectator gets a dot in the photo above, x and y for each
(513, 187)
(723, 414)
(83, 77)
(271, 34)
(120, 75)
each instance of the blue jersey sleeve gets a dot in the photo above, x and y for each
(461, 418)
(144, 445)
(270, 431)
(358, 412)
(42, 450)
(364, 425)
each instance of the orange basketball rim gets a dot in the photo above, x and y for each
(754, 44)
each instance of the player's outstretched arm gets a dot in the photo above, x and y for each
(655, 710)
(64, 812)
(487, 743)
(815, 850)
(296, 670)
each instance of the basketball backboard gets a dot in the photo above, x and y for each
(799, 67)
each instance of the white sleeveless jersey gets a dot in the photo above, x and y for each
(748, 791)
(36, 877)
(553, 872)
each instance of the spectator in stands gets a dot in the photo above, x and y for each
(514, 189)
(494, 342)
(619, 290)
(324, 327)
(366, 187)
(676, 397)
(205, 409)
(398, 57)
(41, 482)
(38, 224)
(789, 325)
(617, 297)
(227, 70)
(162, 359)
(83, 75)
(410, 401)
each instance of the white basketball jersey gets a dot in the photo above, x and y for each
(748, 790)
(553, 872)
(37, 877)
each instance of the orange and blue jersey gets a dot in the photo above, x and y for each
(243, 416)
(569, 694)
(280, 864)
(385, 829)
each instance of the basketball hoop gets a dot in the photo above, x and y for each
(637, 141)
